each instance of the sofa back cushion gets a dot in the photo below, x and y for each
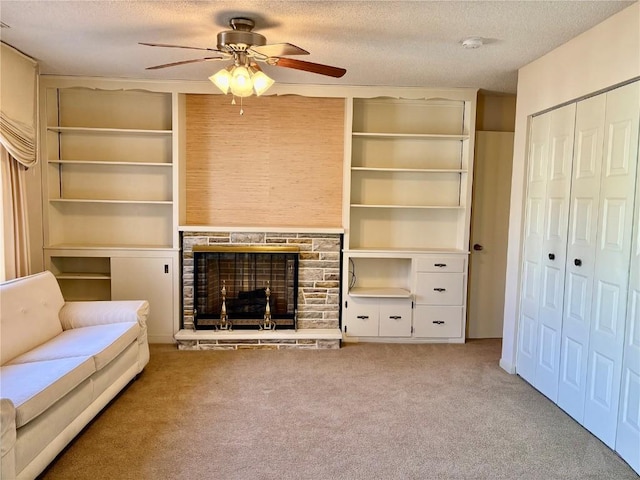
(29, 308)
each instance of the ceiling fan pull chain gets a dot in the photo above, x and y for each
(241, 109)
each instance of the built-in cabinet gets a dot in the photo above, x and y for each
(109, 183)
(408, 195)
(578, 330)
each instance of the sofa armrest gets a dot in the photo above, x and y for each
(87, 314)
(7, 439)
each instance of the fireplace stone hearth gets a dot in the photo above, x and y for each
(318, 302)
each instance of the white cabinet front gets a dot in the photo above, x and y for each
(395, 318)
(440, 288)
(362, 317)
(378, 317)
(438, 322)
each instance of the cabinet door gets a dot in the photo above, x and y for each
(147, 278)
(583, 225)
(611, 274)
(362, 317)
(395, 318)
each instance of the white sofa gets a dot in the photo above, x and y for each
(60, 364)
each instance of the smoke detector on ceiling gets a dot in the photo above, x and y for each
(472, 42)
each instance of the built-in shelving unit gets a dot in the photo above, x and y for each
(409, 194)
(109, 184)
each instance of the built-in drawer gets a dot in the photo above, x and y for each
(437, 322)
(440, 288)
(438, 263)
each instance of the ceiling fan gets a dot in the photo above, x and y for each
(245, 48)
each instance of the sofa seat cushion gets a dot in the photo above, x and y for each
(34, 387)
(101, 342)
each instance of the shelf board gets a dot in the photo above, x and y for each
(425, 136)
(399, 252)
(93, 200)
(83, 276)
(377, 292)
(118, 131)
(101, 248)
(409, 170)
(423, 207)
(104, 162)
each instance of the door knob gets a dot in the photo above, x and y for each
(477, 247)
(577, 262)
(552, 256)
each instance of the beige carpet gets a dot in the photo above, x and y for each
(366, 411)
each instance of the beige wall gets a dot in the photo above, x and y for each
(495, 112)
(606, 55)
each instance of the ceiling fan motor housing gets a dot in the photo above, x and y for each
(241, 37)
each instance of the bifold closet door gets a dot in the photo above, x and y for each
(611, 270)
(628, 434)
(581, 248)
(547, 211)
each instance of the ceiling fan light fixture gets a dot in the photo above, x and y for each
(242, 81)
(261, 82)
(222, 79)
(241, 84)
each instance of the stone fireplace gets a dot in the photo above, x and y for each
(315, 319)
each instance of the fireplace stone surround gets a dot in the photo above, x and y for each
(318, 319)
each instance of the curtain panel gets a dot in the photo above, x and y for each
(18, 102)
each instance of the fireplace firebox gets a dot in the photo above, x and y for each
(245, 287)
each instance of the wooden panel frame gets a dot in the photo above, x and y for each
(278, 164)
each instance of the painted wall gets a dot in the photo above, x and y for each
(606, 55)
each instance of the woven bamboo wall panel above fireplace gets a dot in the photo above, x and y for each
(280, 163)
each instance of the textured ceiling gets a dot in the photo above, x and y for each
(414, 43)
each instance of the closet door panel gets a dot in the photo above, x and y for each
(533, 242)
(581, 244)
(559, 168)
(628, 434)
(611, 272)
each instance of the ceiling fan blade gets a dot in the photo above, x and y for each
(308, 66)
(184, 62)
(176, 46)
(279, 50)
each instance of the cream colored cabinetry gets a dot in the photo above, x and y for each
(109, 181)
(151, 278)
(379, 317)
(408, 199)
(440, 296)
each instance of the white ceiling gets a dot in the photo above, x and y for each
(411, 43)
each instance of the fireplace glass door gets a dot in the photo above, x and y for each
(239, 283)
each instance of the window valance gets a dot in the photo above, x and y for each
(18, 100)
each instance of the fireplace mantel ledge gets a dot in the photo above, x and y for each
(247, 229)
(300, 334)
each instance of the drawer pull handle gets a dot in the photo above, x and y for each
(363, 317)
(395, 317)
(439, 289)
(440, 265)
(439, 322)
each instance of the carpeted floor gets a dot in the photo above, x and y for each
(366, 411)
